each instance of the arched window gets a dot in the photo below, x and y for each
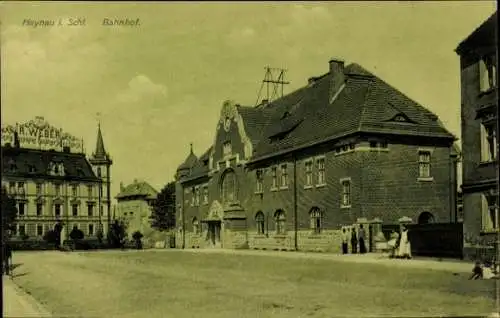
(228, 186)
(196, 226)
(280, 219)
(259, 220)
(316, 222)
(425, 218)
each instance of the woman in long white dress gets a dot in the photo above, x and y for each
(404, 245)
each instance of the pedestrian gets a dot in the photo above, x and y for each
(345, 240)
(7, 259)
(477, 271)
(404, 245)
(362, 235)
(393, 243)
(354, 241)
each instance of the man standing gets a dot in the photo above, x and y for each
(362, 234)
(345, 239)
(7, 259)
(354, 241)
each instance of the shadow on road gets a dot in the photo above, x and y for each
(19, 275)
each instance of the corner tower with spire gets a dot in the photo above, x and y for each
(101, 164)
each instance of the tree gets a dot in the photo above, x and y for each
(163, 214)
(137, 236)
(76, 235)
(117, 234)
(51, 237)
(9, 213)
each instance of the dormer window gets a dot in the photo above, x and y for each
(399, 118)
(285, 115)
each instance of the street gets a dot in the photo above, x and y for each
(173, 283)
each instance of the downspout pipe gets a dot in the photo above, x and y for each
(295, 208)
(183, 219)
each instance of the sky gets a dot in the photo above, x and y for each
(160, 85)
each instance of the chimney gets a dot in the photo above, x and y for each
(337, 77)
(311, 80)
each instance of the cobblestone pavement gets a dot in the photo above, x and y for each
(375, 258)
(17, 303)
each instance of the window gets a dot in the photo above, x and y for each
(57, 210)
(424, 164)
(39, 230)
(22, 230)
(99, 172)
(89, 189)
(31, 169)
(196, 226)
(20, 187)
(205, 195)
(197, 196)
(91, 229)
(20, 208)
(56, 169)
(488, 142)
(346, 193)
(373, 144)
(229, 186)
(259, 220)
(487, 73)
(39, 209)
(193, 196)
(259, 177)
(90, 210)
(74, 210)
(226, 149)
(489, 212)
(309, 173)
(274, 172)
(12, 187)
(279, 218)
(57, 189)
(284, 176)
(38, 188)
(74, 190)
(315, 215)
(321, 170)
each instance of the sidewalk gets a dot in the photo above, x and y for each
(455, 266)
(17, 303)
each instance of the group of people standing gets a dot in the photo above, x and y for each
(356, 239)
(399, 244)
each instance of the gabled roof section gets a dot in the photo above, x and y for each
(138, 189)
(34, 163)
(200, 167)
(484, 35)
(190, 160)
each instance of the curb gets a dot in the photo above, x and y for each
(27, 298)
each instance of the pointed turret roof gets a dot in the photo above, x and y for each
(100, 153)
(190, 160)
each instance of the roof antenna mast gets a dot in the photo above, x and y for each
(274, 82)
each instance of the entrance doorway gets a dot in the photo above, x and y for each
(214, 233)
(425, 218)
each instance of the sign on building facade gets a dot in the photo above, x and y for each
(39, 134)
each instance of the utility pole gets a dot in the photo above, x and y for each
(274, 81)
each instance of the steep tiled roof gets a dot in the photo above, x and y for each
(310, 115)
(200, 167)
(189, 162)
(138, 189)
(33, 163)
(482, 35)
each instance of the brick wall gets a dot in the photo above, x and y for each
(383, 184)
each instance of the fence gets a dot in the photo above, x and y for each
(433, 239)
